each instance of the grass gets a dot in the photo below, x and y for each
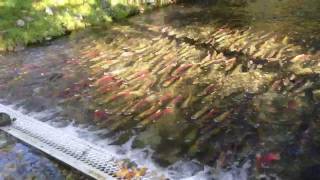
(43, 19)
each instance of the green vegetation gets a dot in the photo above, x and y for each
(27, 21)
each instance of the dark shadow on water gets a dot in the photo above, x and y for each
(294, 18)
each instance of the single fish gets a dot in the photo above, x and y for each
(181, 69)
(91, 54)
(209, 115)
(201, 112)
(119, 95)
(177, 100)
(105, 80)
(301, 57)
(208, 90)
(170, 81)
(100, 115)
(110, 87)
(165, 99)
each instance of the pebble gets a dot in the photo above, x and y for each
(19, 47)
(49, 11)
(20, 23)
(37, 90)
(29, 19)
(48, 38)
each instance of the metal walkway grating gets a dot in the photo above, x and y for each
(88, 158)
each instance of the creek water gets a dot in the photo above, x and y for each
(19, 161)
(193, 91)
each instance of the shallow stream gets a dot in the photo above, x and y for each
(208, 91)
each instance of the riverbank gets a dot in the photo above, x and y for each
(34, 21)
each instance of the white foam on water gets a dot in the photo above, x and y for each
(236, 173)
(181, 170)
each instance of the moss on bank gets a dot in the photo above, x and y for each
(28, 21)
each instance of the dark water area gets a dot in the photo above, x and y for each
(222, 83)
(297, 19)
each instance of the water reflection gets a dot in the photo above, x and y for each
(295, 18)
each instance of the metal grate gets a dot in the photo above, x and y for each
(82, 155)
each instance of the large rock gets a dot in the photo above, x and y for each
(5, 119)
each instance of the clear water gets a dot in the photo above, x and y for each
(213, 90)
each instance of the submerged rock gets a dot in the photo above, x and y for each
(5, 119)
